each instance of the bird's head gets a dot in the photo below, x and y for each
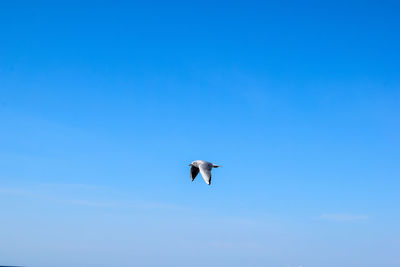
(194, 163)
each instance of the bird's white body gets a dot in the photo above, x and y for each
(204, 167)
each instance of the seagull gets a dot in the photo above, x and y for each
(204, 167)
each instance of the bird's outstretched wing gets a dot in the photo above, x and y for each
(205, 171)
(193, 172)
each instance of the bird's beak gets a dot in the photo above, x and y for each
(190, 164)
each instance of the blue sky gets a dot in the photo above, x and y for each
(103, 105)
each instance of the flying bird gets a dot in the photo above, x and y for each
(204, 167)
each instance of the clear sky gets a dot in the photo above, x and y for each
(104, 105)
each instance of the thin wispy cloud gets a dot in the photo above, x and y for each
(80, 195)
(73, 186)
(344, 217)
